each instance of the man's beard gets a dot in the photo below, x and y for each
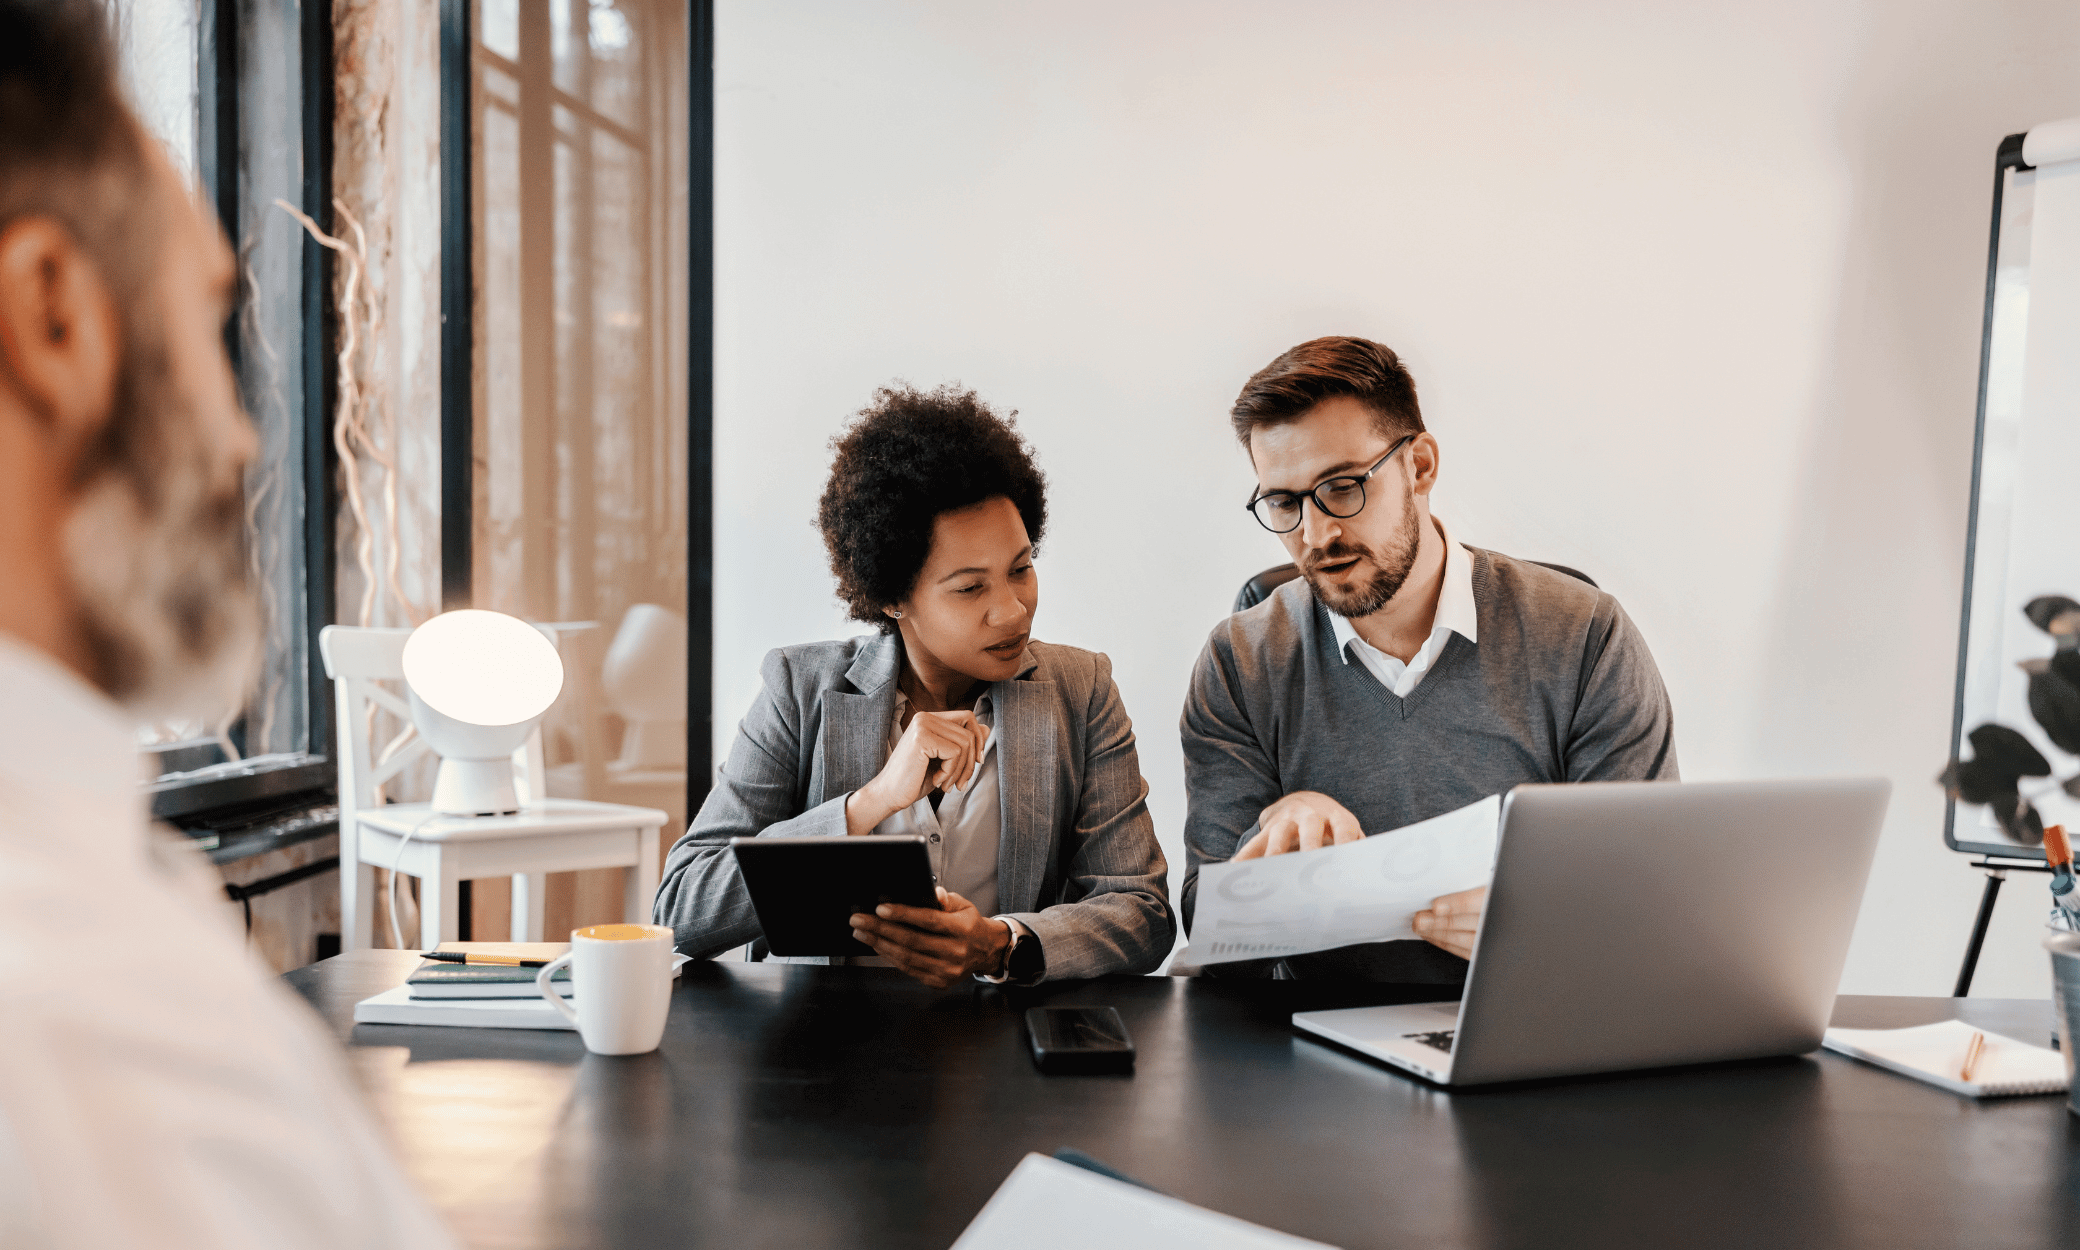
(1393, 565)
(156, 550)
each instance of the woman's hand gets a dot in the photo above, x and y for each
(938, 751)
(936, 947)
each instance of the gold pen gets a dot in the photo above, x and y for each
(1971, 1055)
(479, 957)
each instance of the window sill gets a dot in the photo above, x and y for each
(188, 798)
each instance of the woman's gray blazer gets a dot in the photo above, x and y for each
(1077, 862)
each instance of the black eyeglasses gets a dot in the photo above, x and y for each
(1280, 511)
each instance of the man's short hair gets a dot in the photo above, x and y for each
(70, 148)
(1322, 369)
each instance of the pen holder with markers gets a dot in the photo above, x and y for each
(2064, 945)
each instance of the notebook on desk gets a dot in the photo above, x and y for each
(403, 1004)
(435, 979)
(1935, 1054)
(397, 1006)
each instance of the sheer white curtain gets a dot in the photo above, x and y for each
(158, 44)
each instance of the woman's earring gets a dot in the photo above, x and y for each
(896, 613)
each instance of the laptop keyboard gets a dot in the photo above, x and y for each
(1441, 1040)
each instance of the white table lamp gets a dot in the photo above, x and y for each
(479, 682)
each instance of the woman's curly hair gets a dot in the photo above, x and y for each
(902, 460)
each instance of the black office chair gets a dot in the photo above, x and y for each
(1259, 588)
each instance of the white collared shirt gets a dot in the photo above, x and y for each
(1455, 615)
(160, 1088)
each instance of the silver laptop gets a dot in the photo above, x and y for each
(1639, 924)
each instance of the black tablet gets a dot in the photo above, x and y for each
(806, 889)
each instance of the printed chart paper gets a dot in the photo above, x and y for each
(1365, 891)
(1045, 1202)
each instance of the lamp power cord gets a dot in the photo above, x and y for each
(396, 930)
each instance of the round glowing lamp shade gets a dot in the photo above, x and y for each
(479, 681)
(483, 668)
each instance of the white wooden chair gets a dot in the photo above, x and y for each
(547, 834)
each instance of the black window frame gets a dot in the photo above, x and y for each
(700, 403)
(227, 795)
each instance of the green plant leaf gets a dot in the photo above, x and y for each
(2055, 703)
(2020, 819)
(2001, 748)
(2054, 614)
(1969, 781)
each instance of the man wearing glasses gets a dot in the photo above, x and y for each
(1401, 675)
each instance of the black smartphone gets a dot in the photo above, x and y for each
(1079, 1039)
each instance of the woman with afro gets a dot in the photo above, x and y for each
(1013, 758)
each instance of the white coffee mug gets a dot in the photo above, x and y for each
(621, 977)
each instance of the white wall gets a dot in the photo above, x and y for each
(1692, 295)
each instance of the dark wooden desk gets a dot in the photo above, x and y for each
(804, 1107)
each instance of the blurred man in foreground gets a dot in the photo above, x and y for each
(158, 1087)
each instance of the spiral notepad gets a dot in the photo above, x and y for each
(1935, 1053)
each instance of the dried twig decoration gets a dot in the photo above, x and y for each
(351, 423)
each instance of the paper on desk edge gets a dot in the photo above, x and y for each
(1238, 1234)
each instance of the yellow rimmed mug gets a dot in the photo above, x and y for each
(621, 981)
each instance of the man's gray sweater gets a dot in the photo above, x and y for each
(1561, 687)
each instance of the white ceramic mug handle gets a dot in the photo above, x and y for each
(541, 982)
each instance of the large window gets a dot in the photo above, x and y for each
(576, 513)
(223, 84)
(580, 509)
